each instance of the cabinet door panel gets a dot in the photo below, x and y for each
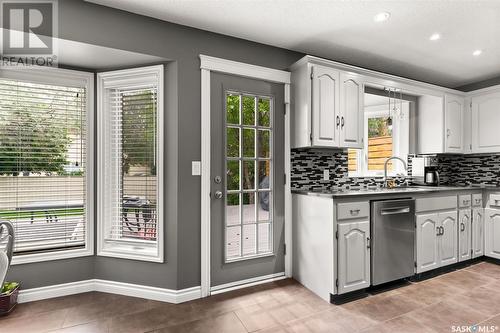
(454, 126)
(492, 233)
(485, 120)
(477, 232)
(325, 107)
(464, 235)
(353, 256)
(427, 242)
(351, 112)
(448, 240)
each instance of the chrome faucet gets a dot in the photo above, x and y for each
(387, 163)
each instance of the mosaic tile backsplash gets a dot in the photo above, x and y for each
(459, 170)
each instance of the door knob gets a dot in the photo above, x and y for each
(218, 195)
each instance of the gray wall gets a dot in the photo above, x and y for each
(93, 24)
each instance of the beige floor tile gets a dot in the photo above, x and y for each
(226, 323)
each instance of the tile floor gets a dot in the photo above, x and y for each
(464, 297)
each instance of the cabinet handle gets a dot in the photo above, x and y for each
(342, 123)
(442, 231)
(354, 212)
(338, 121)
(448, 132)
(462, 227)
(368, 243)
(466, 202)
(478, 201)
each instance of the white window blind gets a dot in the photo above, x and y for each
(43, 165)
(129, 145)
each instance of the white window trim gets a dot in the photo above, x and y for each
(362, 154)
(65, 77)
(133, 77)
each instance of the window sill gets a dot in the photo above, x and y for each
(127, 250)
(49, 256)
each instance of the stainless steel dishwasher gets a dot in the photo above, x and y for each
(393, 240)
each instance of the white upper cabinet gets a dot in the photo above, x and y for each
(325, 107)
(485, 122)
(454, 124)
(440, 124)
(351, 111)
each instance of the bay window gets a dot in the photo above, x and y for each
(130, 137)
(46, 162)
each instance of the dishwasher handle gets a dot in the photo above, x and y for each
(394, 211)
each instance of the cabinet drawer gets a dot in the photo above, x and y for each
(477, 200)
(495, 200)
(353, 210)
(435, 203)
(464, 201)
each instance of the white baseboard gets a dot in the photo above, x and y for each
(153, 293)
(247, 283)
(120, 288)
(58, 290)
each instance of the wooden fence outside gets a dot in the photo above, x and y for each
(379, 150)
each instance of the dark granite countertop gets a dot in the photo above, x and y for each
(343, 193)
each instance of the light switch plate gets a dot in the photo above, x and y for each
(196, 168)
(326, 174)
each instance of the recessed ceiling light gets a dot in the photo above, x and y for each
(434, 37)
(477, 52)
(381, 17)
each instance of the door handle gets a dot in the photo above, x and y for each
(218, 195)
(393, 211)
(338, 121)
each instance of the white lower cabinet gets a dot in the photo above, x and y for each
(492, 233)
(427, 242)
(437, 240)
(353, 256)
(477, 232)
(464, 234)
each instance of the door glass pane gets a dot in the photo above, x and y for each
(233, 109)
(233, 242)
(264, 206)
(249, 239)
(265, 243)
(233, 175)
(233, 142)
(264, 143)
(248, 142)
(248, 179)
(249, 175)
(264, 112)
(264, 174)
(233, 209)
(249, 207)
(248, 110)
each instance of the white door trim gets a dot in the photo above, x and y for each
(207, 65)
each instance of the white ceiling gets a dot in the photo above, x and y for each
(345, 31)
